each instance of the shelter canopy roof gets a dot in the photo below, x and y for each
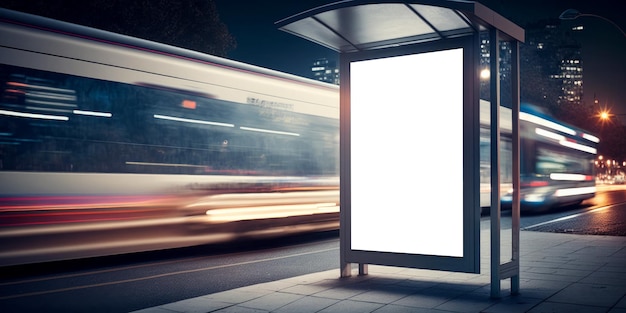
(357, 25)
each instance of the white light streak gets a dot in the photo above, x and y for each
(50, 95)
(543, 122)
(563, 141)
(33, 115)
(47, 109)
(578, 146)
(164, 164)
(534, 197)
(93, 113)
(269, 131)
(549, 134)
(266, 212)
(186, 120)
(41, 87)
(59, 104)
(570, 177)
(575, 191)
(591, 138)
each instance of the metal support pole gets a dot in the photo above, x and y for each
(345, 200)
(515, 213)
(495, 161)
(510, 269)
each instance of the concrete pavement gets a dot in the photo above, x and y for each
(558, 273)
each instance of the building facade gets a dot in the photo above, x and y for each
(559, 56)
(325, 70)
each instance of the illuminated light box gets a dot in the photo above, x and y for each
(407, 153)
(413, 133)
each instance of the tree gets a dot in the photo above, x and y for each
(192, 24)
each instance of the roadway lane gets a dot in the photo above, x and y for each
(132, 282)
(605, 220)
(605, 214)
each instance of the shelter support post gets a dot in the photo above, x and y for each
(510, 269)
(515, 213)
(495, 210)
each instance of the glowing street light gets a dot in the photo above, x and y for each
(485, 74)
(604, 115)
(572, 14)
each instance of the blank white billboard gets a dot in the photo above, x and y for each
(407, 154)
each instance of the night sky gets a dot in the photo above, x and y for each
(259, 42)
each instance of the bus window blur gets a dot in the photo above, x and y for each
(121, 145)
(556, 160)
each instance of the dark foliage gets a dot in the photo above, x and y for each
(192, 24)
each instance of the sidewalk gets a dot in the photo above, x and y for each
(559, 273)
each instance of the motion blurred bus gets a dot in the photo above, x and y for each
(556, 160)
(111, 144)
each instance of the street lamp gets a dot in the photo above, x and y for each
(572, 14)
(605, 115)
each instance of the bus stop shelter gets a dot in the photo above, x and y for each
(409, 131)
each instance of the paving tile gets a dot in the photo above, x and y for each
(239, 309)
(428, 298)
(384, 295)
(617, 310)
(417, 285)
(271, 302)
(589, 294)
(306, 290)
(313, 278)
(621, 303)
(468, 303)
(512, 304)
(392, 308)
(306, 305)
(541, 289)
(338, 293)
(272, 286)
(541, 263)
(455, 288)
(622, 252)
(582, 266)
(350, 306)
(606, 278)
(156, 309)
(543, 276)
(619, 268)
(236, 295)
(196, 305)
(560, 271)
(549, 307)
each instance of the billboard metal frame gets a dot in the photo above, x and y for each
(470, 262)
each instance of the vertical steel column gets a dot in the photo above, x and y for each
(345, 200)
(494, 63)
(515, 214)
(510, 269)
